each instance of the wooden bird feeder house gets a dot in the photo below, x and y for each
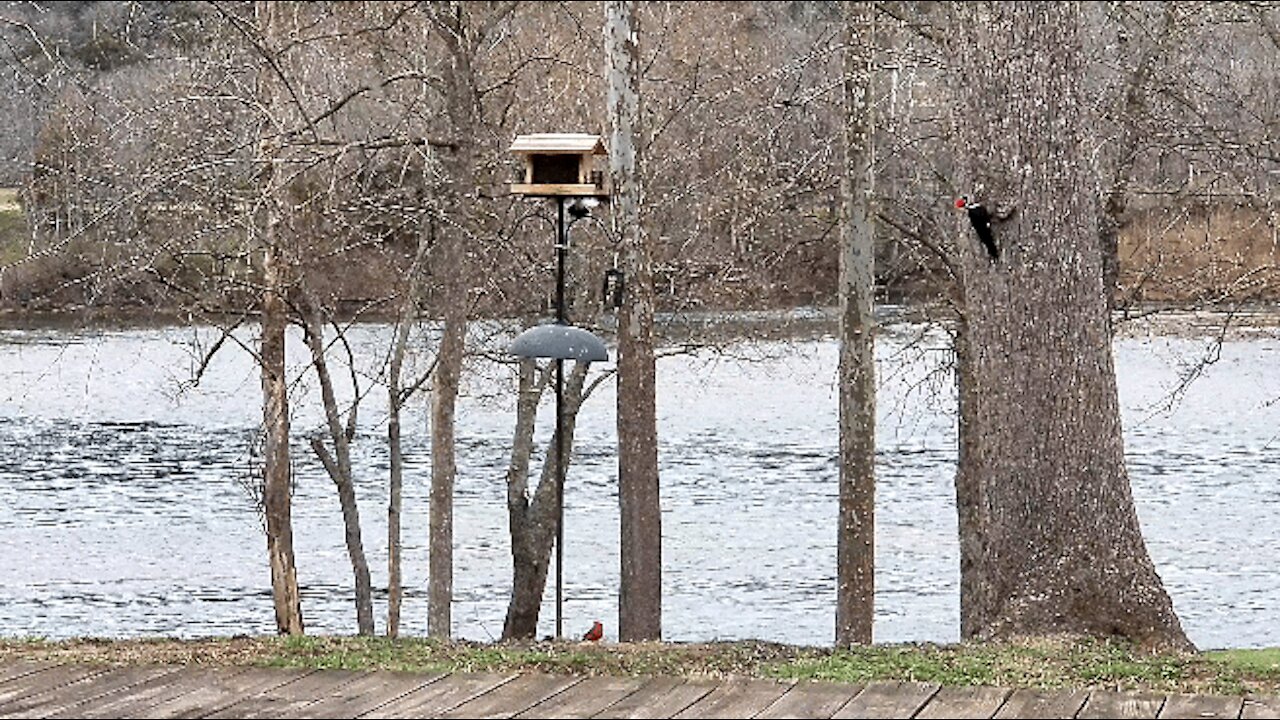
(560, 165)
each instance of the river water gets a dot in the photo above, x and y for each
(125, 512)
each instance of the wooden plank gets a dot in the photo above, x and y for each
(964, 702)
(658, 698)
(71, 696)
(1029, 703)
(13, 670)
(811, 700)
(888, 700)
(1201, 706)
(289, 699)
(557, 189)
(1261, 707)
(146, 694)
(368, 693)
(737, 699)
(1112, 704)
(513, 698)
(442, 695)
(18, 689)
(586, 699)
(213, 691)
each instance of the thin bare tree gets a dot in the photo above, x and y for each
(277, 495)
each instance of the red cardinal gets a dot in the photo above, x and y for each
(595, 633)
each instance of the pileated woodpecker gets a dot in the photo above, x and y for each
(981, 221)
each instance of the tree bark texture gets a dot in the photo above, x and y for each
(971, 498)
(640, 594)
(855, 543)
(395, 482)
(533, 521)
(449, 257)
(444, 466)
(338, 465)
(277, 491)
(1042, 470)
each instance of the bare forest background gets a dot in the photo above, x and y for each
(129, 149)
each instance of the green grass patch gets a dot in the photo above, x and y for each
(1062, 663)
(15, 236)
(1040, 663)
(1265, 661)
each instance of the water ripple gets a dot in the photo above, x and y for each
(126, 513)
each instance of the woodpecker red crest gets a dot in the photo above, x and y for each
(981, 221)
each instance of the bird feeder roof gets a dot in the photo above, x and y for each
(558, 143)
(559, 342)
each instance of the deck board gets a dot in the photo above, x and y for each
(208, 693)
(811, 700)
(586, 699)
(289, 699)
(62, 691)
(1261, 707)
(1031, 703)
(15, 692)
(658, 698)
(514, 697)
(736, 699)
(964, 702)
(368, 693)
(888, 700)
(442, 696)
(70, 697)
(1201, 706)
(146, 694)
(13, 670)
(1112, 704)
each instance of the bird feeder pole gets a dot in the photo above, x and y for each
(562, 247)
(559, 166)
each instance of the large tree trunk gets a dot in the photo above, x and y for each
(640, 595)
(533, 521)
(277, 491)
(338, 465)
(1060, 548)
(855, 543)
(971, 504)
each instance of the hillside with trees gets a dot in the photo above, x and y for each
(128, 126)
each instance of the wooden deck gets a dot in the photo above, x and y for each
(82, 691)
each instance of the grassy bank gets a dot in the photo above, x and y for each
(1040, 663)
(14, 235)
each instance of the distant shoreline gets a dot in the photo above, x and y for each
(801, 321)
